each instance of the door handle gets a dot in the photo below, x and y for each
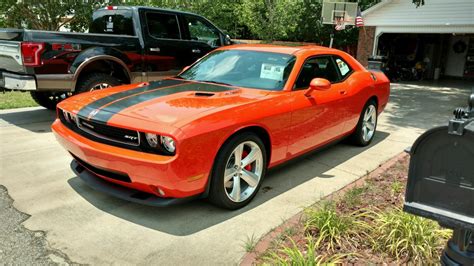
(196, 51)
(343, 92)
(155, 49)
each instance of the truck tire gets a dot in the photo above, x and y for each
(96, 81)
(49, 99)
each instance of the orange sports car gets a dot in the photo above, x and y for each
(215, 129)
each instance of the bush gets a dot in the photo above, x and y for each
(407, 236)
(294, 256)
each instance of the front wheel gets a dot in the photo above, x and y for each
(238, 171)
(365, 129)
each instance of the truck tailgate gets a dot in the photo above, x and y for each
(10, 56)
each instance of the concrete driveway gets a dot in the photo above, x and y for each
(94, 228)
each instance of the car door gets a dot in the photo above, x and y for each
(319, 118)
(164, 46)
(202, 37)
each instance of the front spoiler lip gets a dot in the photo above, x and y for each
(122, 192)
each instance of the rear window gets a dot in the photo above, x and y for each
(162, 26)
(118, 22)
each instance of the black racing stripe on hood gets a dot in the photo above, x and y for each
(86, 110)
(107, 112)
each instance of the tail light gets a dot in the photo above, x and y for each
(31, 53)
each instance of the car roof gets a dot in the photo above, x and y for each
(295, 50)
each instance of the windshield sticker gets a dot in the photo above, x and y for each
(274, 72)
(342, 67)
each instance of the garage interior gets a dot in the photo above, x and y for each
(409, 56)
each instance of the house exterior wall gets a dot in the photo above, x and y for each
(365, 44)
(433, 13)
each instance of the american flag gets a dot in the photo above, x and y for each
(359, 20)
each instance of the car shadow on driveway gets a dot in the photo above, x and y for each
(37, 120)
(194, 216)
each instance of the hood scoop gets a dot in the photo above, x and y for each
(204, 94)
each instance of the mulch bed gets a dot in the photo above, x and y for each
(382, 189)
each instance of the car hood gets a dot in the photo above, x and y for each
(171, 102)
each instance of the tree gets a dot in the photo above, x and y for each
(45, 14)
(269, 19)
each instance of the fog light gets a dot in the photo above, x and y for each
(152, 140)
(168, 144)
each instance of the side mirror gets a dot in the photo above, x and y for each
(317, 84)
(228, 40)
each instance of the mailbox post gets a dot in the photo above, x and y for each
(441, 182)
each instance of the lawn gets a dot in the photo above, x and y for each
(361, 225)
(16, 99)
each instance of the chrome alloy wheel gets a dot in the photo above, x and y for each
(100, 86)
(369, 123)
(243, 171)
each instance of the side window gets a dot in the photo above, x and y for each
(344, 69)
(162, 26)
(200, 30)
(317, 67)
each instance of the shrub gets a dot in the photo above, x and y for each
(294, 256)
(407, 236)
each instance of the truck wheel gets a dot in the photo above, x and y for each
(96, 81)
(238, 171)
(49, 99)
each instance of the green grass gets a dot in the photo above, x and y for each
(330, 227)
(397, 187)
(404, 235)
(16, 99)
(353, 196)
(250, 243)
(295, 257)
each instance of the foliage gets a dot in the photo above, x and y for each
(16, 99)
(330, 227)
(250, 243)
(353, 196)
(404, 235)
(294, 256)
(269, 19)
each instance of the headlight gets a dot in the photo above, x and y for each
(152, 140)
(162, 143)
(168, 144)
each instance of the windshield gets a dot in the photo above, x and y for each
(251, 69)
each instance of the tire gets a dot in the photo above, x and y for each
(49, 99)
(224, 193)
(360, 136)
(96, 81)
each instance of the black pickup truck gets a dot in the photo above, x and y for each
(124, 45)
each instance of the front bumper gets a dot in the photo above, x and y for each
(122, 192)
(163, 176)
(14, 81)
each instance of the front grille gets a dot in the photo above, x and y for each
(101, 130)
(103, 172)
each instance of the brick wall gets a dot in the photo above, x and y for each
(365, 44)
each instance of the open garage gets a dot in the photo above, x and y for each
(429, 42)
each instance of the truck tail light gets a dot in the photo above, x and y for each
(31, 53)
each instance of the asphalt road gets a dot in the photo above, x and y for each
(92, 228)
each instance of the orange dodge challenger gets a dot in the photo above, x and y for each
(214, 130)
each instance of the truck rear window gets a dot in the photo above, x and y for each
(112, 22)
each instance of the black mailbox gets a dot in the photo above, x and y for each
(441, 182)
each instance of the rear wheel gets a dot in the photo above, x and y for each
(49, 99)
(365, 129)
(238, 171)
